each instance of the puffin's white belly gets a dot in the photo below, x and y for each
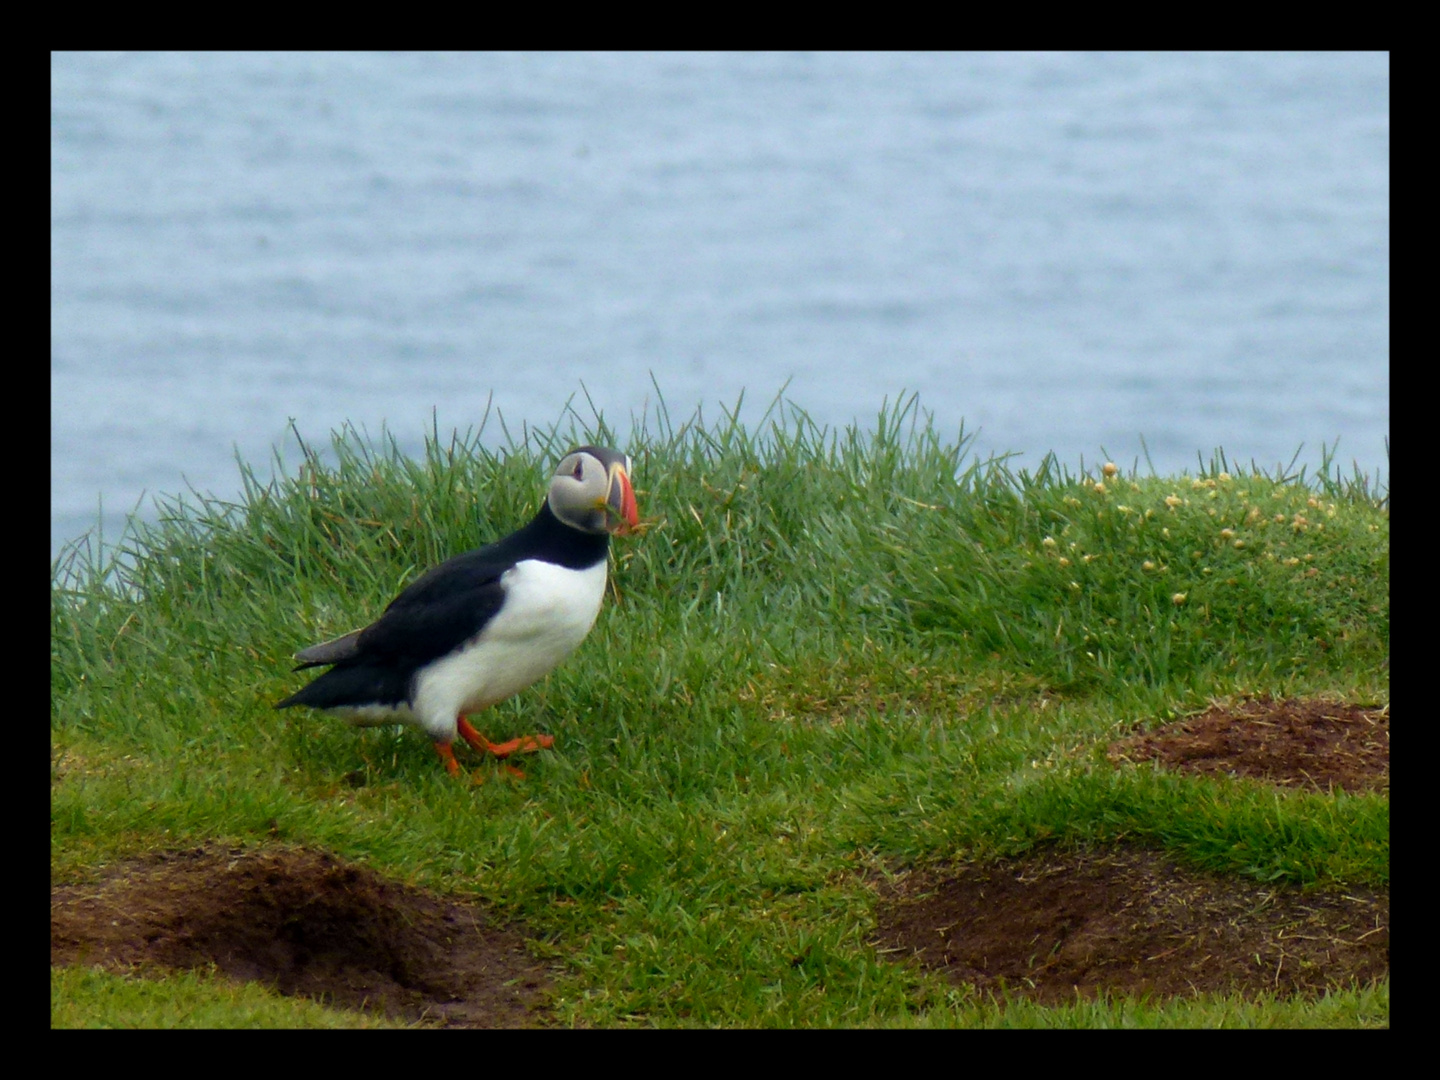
(548, 610)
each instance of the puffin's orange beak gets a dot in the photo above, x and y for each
(621, 502)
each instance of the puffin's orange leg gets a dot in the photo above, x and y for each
(471, 736)
(525, 744)
(448, 757)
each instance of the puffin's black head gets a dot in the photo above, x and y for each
(591, 491)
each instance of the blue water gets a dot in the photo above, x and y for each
(1062, 252)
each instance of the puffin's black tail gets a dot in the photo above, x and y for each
(352, 687)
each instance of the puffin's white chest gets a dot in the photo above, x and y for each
(548, 610)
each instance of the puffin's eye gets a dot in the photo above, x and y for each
(579, 471)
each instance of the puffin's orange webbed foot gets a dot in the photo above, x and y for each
(525, 744)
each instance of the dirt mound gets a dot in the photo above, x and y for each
(1131, 923)
(1293, 742)
(307, 924)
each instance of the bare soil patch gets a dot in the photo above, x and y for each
(1130, 923)
(1300, 743)
(308, 924)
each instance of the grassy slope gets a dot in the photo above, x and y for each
(831, 653)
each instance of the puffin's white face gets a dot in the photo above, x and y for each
(591, 491)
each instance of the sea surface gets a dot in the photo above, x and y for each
(1065, 252)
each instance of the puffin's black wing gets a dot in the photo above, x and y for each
(437, 613)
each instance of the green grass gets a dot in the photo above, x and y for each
(90, 998)
(832, 653)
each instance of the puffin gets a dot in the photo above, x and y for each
(483, 626)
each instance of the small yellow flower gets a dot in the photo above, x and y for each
(1064, 561)
(1227, 534)
(1239, 543)
(1099, 488)
(1178, 598)
(1049, 541)
(1224, 477)
(1109, 468)
(1147, 565)
(1173, 501)
(1279, 519)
